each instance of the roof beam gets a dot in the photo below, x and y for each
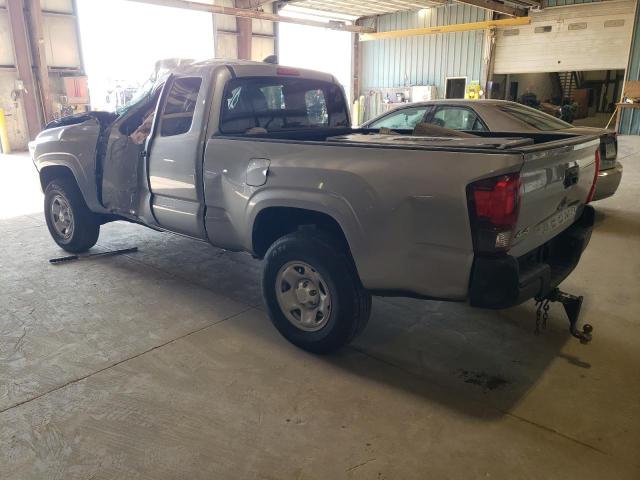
(247, 13)
(496, 7)
(527, 3)
(456, 27)
(364, 8)
(258, 3)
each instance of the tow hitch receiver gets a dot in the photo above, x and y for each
(571, 304)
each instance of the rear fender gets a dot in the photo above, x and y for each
(333, 206)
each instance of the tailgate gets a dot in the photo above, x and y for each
(608, 151)
(555, 185)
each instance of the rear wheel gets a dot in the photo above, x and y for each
(313, 292)
(71, 224)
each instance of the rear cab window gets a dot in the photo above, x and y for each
(268, 104)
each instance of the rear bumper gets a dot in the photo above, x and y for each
(608, 182)
(502, 282)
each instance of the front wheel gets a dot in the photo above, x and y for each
(70, 222)
(313, 292)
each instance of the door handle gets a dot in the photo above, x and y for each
(257, 171)
(571, 176)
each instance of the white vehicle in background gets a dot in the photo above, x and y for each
(508, 118)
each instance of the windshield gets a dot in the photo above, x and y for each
(142, 95)
(534, 118)
(267, 104)
(155, 81)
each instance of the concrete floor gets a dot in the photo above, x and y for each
(162, 365)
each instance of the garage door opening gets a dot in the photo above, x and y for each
(322, 49)
(574, 55)
(584, 98)
(122, 41)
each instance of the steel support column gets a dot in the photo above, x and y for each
(244, 38)
(356, 68)
(245, 31)
(40, 57)
(20, 37)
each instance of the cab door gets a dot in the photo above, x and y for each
(120, 167)
(175, 155)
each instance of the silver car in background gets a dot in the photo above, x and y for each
(475, 116)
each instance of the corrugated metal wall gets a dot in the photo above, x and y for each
(630, 118)
(425, 59)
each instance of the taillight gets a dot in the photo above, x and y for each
(595, 177)
(493, 209)
(288, 71)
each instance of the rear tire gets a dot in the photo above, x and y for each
(313, 293)
(71, 224)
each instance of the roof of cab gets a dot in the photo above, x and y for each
(247, 68)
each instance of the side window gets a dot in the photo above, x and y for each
(457, 118)
(177, 112)
(406, 118)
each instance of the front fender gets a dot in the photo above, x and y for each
(46, 165)
(72, 147)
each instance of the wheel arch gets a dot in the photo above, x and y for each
(274, 222)
(66, 165)
(51, 172)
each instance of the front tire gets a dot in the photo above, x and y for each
(70, 222)
(313, 293)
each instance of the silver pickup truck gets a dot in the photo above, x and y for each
(261, 158)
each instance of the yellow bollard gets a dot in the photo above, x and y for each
(4, 134)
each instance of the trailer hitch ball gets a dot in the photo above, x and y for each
(572, 305)
(585, 334)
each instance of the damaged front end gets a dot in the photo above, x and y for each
(103, 118)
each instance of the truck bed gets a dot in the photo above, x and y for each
(485, 141)
(430, 141)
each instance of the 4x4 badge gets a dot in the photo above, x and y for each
(521, 233)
